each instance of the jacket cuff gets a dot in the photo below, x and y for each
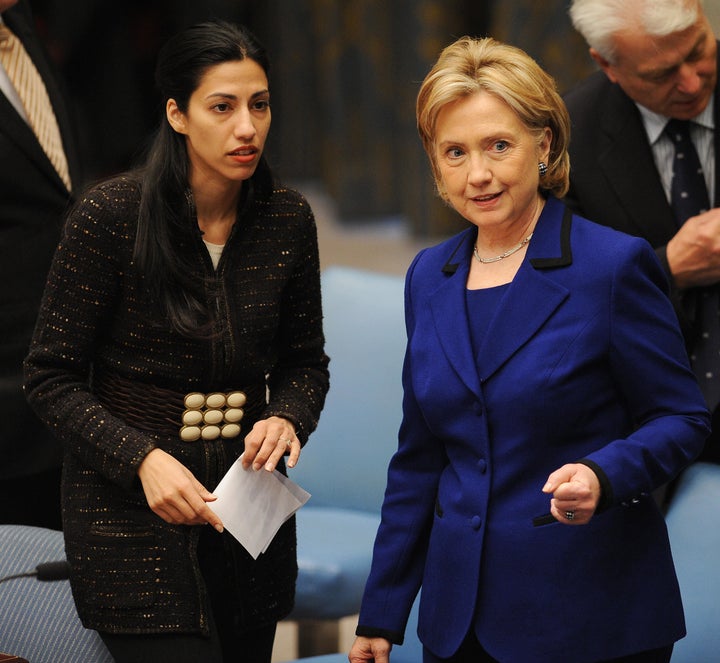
(606, 491)
(370, 632)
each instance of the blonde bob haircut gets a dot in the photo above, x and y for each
(472, 65)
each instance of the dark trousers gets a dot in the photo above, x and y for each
(224, 645)
(252, 647)
(472, 652)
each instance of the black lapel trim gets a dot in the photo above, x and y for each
(565, 258)
(451, 267)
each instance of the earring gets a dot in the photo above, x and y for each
(542, 167)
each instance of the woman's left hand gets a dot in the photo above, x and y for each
(173, 493)
(576, 493)
(268, 441)
(370, 650)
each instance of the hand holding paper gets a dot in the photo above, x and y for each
(253, 504)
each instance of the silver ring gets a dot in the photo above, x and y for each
(570, 515)
(288, 442)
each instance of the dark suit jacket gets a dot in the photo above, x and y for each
(583, 359)
(33, 200)
(614, 180)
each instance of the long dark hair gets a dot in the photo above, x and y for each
(163, 227)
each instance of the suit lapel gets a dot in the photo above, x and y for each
(449, 313)
(628, 165)
(529, 301)
(15, 128)
(17, 131)
(532, 298)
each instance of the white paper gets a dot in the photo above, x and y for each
(253, 504)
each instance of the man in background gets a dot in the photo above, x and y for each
(658, 62)
(36, 183)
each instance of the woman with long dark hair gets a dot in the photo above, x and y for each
(183, 307)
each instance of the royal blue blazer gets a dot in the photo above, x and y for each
(583, 360)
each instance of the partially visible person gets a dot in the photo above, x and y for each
(547, 393)
(658, 62)
(34, 197)
(181, 327)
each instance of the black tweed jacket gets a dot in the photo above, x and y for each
(105, 373)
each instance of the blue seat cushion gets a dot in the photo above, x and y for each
(693, 521)
(334, 555)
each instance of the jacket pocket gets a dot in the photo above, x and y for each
(121, 565)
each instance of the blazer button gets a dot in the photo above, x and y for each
(482, 465)
(476, 522)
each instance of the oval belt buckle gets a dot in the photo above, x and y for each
(212, 416)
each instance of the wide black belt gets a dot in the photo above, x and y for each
(191, 416)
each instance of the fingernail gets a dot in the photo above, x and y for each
(269, 467)
(219, 528)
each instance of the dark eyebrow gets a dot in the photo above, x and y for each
(233, 97)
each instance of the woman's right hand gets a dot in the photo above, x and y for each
(174, 494)
(369, 650)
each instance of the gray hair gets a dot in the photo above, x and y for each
(598, 20)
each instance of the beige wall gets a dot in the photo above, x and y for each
(712, 9)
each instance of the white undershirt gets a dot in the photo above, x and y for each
(215, 251)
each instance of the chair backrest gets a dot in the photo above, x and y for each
(693, 522)
(38, 619)
(345, 462)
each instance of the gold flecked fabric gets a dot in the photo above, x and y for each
(131, 571)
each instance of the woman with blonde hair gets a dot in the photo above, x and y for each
(547, 393)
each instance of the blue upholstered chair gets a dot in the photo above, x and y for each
(38, 620)
(693, 521)
(344, 466)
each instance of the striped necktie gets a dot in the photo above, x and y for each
(30, 88)
(689, 198)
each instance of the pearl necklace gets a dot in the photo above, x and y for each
(507, 253)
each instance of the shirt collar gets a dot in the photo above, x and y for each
(655, 123)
